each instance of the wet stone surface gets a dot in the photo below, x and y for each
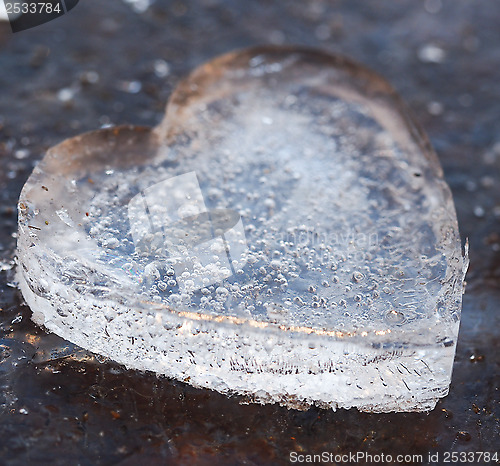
(86, 70)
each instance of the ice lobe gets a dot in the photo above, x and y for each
(285, 233)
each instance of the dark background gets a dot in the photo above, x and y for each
(99, 65)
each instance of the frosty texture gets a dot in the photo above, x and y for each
(284, 233)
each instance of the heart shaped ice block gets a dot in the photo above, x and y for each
(285, 233)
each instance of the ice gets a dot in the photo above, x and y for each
(285, 233)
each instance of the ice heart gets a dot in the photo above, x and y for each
(285, 233)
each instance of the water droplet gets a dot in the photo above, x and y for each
(479, 211)
(161, 68)
(431, 53)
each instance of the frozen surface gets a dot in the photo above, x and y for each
(284, 233)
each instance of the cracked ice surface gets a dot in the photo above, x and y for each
(284, 233)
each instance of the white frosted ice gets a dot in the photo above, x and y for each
(284, 233)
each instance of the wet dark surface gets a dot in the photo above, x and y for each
(99, 65)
